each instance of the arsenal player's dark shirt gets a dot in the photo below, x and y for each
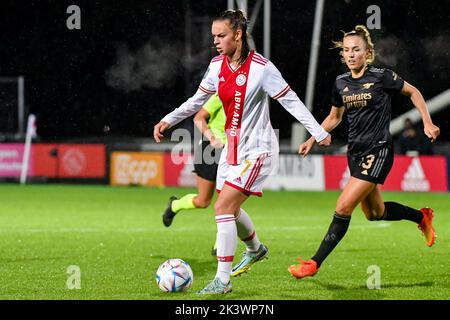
(367, 101)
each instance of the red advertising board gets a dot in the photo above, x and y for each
(81, 161)
(43, 161)
(336, 172)
(54, 160)
(424, 173)
(178, 170)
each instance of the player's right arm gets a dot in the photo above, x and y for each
(187, 109)
(191, 106)
(330, 122)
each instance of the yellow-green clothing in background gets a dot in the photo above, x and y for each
(216, 121)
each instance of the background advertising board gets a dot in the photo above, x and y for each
(137, 168)
(178, 170)
(421, 174)
(297, 173)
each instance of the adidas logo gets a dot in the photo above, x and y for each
(222, 79)
(414, 178)
(345, 89)
(238, 180)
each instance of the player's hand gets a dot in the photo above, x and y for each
(431, 131)
(306, 146)
(159, 129)
(326, 142)
(216, 143)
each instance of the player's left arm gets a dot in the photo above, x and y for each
(277, 88)
(431, 131)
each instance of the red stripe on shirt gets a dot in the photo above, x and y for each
(257, 55)
(259, 62)
(282, 92)
(206, 90)
(218, 58)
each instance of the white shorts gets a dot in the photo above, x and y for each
(247, 177)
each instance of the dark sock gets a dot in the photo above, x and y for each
(394, 211)
(336, 232)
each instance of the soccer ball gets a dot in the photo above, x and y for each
(174, 275)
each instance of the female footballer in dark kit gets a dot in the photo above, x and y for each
(365, 92)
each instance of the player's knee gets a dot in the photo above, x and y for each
(371, 217)
(202, 203)
(344, 208)
(221, 207)
(373, 214)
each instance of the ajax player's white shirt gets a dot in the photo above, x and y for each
(244, 94)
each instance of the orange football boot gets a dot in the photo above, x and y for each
(304, 269)
(426, 226)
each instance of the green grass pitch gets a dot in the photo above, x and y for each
(116, 237)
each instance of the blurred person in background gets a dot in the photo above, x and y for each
(413, 142)
(365, 94)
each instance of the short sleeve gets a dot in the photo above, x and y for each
(273, 83)
(391, 81)
(336, 98)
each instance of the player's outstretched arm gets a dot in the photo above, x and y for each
(330, 122)
(306, 146)
(430, 130)
(188, 108)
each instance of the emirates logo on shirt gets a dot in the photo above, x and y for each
(240, 79)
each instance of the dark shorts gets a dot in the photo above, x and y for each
(374, 166)
(206, 161)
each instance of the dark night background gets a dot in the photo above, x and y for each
(133, 62)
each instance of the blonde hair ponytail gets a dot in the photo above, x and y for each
(361, 31)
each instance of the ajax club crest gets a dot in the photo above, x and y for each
(240, 79)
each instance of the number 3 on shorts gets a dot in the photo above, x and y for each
(368, 163)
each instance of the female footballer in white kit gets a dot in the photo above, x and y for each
(243, 79)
